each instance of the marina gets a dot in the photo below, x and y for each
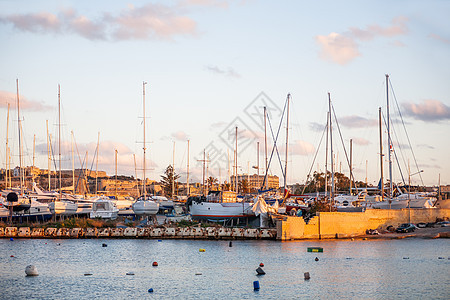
(371, 269)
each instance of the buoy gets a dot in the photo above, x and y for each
(198, 273)
(155, 264)
(353, 239)
(159, 240)
(405, 257)
(31, 270)
(11, 239)
(201, 250)
(440, 257)
(316, 259)
(130, 273)
(87, 274)
(261, 265)
(12, 256)
(230, 244)
(150, 290)
(104, 245)
(306, 274)
(260, 271)
(256, 285)
(348, 258)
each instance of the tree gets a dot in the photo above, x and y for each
(211, 182)
(167, 179)
(243, 186)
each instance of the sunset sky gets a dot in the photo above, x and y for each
(212, 65)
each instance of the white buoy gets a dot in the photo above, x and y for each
(31, 270)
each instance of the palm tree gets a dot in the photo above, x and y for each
(211, 182)
(167, 179)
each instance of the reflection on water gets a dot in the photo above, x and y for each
(397, 269)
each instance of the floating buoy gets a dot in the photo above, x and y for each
(306, 275)
(261, 265)
(130, 273)
(155, 264)
(405, 257)
(230, 244)
(12, 256)
(104, 245)
(440, 258)
(31, 270)
(87, 274)
(315, 249)
(150, 290)
(316, 259)
(260, 271)
(353, 239)
(11, 239)
(159, 240)
(348, 258)
(256, 285)
(201, 250)
(198, 273)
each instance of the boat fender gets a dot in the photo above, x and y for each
(261, 265)
(256, 285)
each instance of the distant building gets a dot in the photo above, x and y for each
(256, 182)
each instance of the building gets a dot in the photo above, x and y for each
(256, 181)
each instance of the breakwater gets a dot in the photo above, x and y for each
(213, 233)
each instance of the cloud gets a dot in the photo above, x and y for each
(425, 146)
(150, 21)
(215, 3)
(317, 127)
(361, 141)
(428, 110)
(180, 136)
(337, 48)
(357, 122)
(302, 148)
(25, 104)
(228, 72)
(343, 48)
(439, 38)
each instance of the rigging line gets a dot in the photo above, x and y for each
(314, 160)
(406, 132)
(274, 144)
(52, 154)
(81, 173)
(395, 152)
(343, 146)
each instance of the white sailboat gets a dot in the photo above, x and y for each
(145, 206)
(61, 206)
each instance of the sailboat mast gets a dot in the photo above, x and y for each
(287, 142)
(48, 157)
(381, 153)
(143, 100)
(73, 165)
(20, 138)
(34, 156)
(391, 185)
(7, 150)
(236, 163)
(257, 163)
(351, 164)
(59, 139)
(173, 170)
(187, 178)
(265, 145)
(331, 151)
(326, 156)
(115, 179)
(96, 164)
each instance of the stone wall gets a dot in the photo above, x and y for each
(349, 224)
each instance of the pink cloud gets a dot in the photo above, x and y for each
(25, 104)
(428, 110)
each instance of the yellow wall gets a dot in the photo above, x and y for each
(348, 224)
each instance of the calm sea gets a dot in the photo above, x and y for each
(379, 269)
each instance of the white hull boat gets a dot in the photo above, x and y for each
(145, 207)
(104, 208)
(63, 207)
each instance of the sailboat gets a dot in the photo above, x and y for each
(61, 206)
(144, 205)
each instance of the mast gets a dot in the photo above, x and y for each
(48, 158)
(7, 149)
(203, 173)
(351, 164)
(331, 152)
(381, 153)
(96, 163)
(257, 163)
(34, 150)
(265, 145)
(143, 101)
(173, 170)
(236, 161)
(115, 180)
(287, 143)
(135, 173)
(391, 185)
(326, 156)
(187, 179)
(59, 139)
(20, 138)
(73, 164)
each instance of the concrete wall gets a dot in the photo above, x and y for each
(348, 224)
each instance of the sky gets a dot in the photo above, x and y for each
(211, 66)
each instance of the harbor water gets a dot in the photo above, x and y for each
(360, 269)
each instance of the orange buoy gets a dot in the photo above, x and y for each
(261, 265)
(155, 264)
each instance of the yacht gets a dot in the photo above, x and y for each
(104, 208)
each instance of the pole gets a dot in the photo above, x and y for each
(381, 154)
(20, 138)
(187, 179)
(236, 160)
(409, 193)
(173, 170)
(73, 166)
(59, 139)
(351, 154)
(96, 164)
(48, 158)
(265, 145)
(115, 181)
(34, 157)
(7, 149)
(331, 154)
(203, 173)
(257, 165)
(391, 185)
(145, 179)
(326, 156)
(287, 143)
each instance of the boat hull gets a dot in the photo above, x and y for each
(145, 207)
(220, 211)
(63, 207)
